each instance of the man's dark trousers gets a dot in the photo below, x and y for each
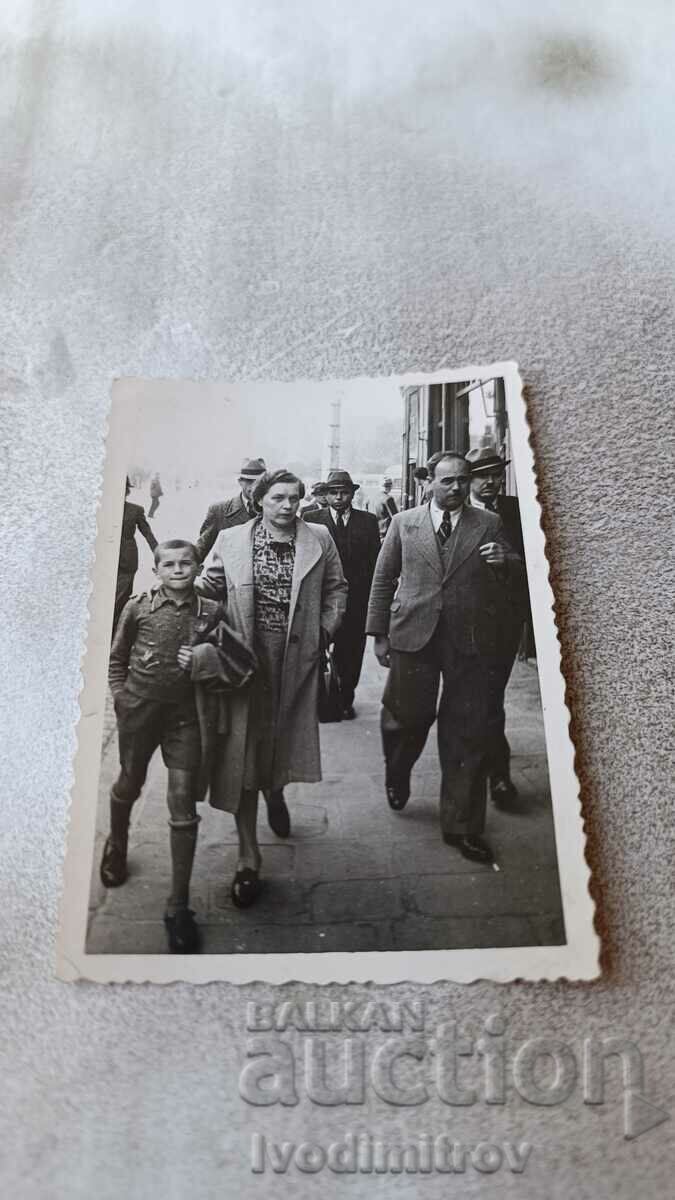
(358, 545)
(409, 710)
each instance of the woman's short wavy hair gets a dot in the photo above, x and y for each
(269, 480)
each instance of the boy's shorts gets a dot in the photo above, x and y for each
(143, 725)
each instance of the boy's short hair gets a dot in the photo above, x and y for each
(175, 544)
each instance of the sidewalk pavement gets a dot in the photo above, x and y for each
(354, 875)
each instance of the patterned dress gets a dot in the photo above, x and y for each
(273, 563)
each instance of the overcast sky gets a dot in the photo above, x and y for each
(199, 430)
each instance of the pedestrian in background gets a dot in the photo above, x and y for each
(133, 518)
(155, 495)
(488, 469)
(318, 499)
(285, 594)
(235, 511)
(357, 538)
(385, 507)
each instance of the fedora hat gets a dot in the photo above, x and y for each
(252, 468)
(485, 458)
(337, 478)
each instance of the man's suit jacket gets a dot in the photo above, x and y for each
(223, 515)
(407, 595)
(508, 509)
(362, 546)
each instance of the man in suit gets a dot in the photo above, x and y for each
(443, 573)
(357, 538)
(487, 477)
(235, 511)
(385, 507)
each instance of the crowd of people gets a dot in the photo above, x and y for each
(218, 664)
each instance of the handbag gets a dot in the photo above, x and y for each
(232, 662)
(330, 701)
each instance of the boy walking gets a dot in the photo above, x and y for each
(149, 675)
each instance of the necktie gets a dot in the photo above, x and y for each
(490, 505)
(445, 528)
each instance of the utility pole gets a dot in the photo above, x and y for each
(332, 457)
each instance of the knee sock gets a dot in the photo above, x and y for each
(183, 839)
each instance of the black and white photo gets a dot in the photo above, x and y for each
(325, 732)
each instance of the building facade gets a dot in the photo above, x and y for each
(451, 416)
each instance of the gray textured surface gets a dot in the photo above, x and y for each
(427, 184)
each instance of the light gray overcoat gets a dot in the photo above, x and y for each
(318, 599)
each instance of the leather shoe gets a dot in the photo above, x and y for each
(278, 816)
(246, 887)
(183, 934)
(397, 795)
(113, 870)
(502, 791)
(470, 846)
(348, 713)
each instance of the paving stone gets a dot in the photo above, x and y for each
(114, 935)
(349, 901)
(307, 939)
(343, 860)
(461, 933)
(431, 857)
(353, 875)
(281, 902)
(486, 893)
(548, 929)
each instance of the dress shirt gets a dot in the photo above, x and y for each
(437, 515)
(345, 515)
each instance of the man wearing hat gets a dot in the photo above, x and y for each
(357, 538)
(487, 477)
(318, 500)
(235, 511)
(385, 507)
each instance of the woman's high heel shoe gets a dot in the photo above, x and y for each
(246, 887)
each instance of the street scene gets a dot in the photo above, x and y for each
(356, 861)
(353, 875)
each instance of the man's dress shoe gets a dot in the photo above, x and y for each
(470, 846)
(278, 816)
(348, 713)
(504, 793)
(246, 887)
(397, 795)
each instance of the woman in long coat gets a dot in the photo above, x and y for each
(285, 593)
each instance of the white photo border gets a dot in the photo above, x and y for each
(577, 959)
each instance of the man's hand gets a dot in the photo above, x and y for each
(185, 658)
(493, 553)
(382, 650)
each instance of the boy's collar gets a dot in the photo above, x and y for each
(160, 597)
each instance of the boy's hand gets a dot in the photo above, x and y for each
(185, 658)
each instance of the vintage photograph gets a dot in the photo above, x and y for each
(323, 712)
